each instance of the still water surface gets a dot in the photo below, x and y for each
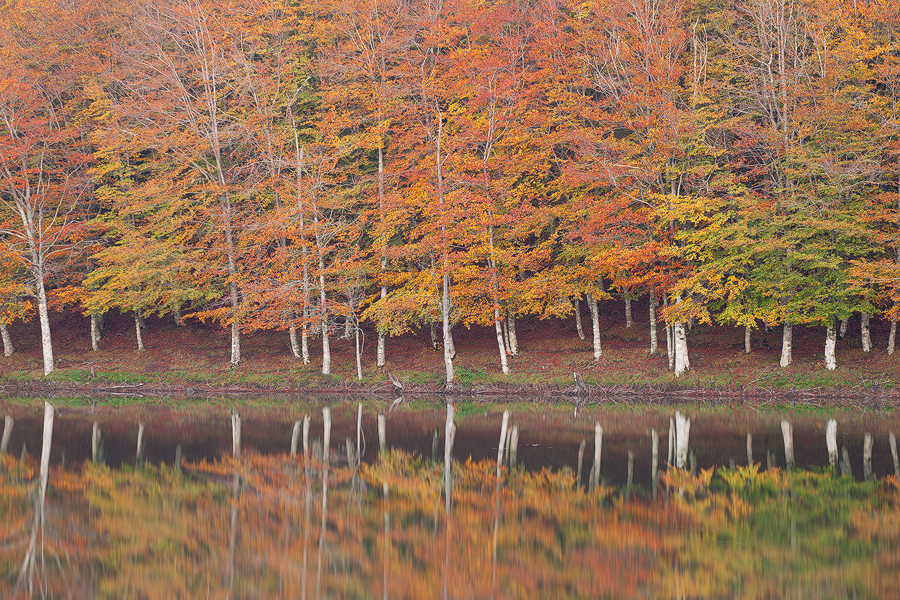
(186, 519)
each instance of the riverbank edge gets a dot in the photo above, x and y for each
(871, 398)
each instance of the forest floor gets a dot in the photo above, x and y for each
(193, 360)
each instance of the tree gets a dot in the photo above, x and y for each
(43, 160)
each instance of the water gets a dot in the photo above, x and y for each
(267, 526)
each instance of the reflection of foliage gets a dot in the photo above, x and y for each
(160, 532)
(768, 532)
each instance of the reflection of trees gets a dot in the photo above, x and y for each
(160, 533)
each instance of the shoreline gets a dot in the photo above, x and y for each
(864, 398)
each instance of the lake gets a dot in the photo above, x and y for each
(214, 505)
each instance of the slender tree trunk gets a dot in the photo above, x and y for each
(7, 340)
(843, 331)
(513, 339)
(892, 336)
(830, 342)
(629, 320)
(595, 325)
(137, 329)
(670, 338)
(679, 338)
(295, 343)
(578, 326)
(682, 362)
(379, 354)
(449, 350)
(654, 338)
(495, 291)
(787, 342)
(44, 317)
(95, 332)
(499, 329)
(747, 347)
(359, 372)
(865, 332)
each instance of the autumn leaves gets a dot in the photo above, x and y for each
(401, 164)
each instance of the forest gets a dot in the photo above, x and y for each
(322, 166)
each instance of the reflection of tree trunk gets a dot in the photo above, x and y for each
(139, 451)
(503, 426)
(682, 435)
(232, 539)
(7, 433)
(449, 435)
(308, 509)
(787, 432)
(892, 441)
(598, 445)
(654, 464)
(322, 530)
(387, 542)
(868, 442)
(831, 441)
(26, 571)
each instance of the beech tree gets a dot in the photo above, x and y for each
(43, 160)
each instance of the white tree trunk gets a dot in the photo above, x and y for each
(304, 341)
(95, 332)
(379, 351)
(844, 323)
(44, 317)
(830, 341)
(682, 362)
(7, 340)
(511, 333)
(449, 350)
(892, 336)
(137, 329)
(235, 344)
(670, 345)
(295, 343)
(682, 438)
(326, 351)
(578, 326)
(595, 326)
(654, 338)
(629, 320)
(787, 341)
(498, 326)
(747, 347)
(865, 333)
(359, 372)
